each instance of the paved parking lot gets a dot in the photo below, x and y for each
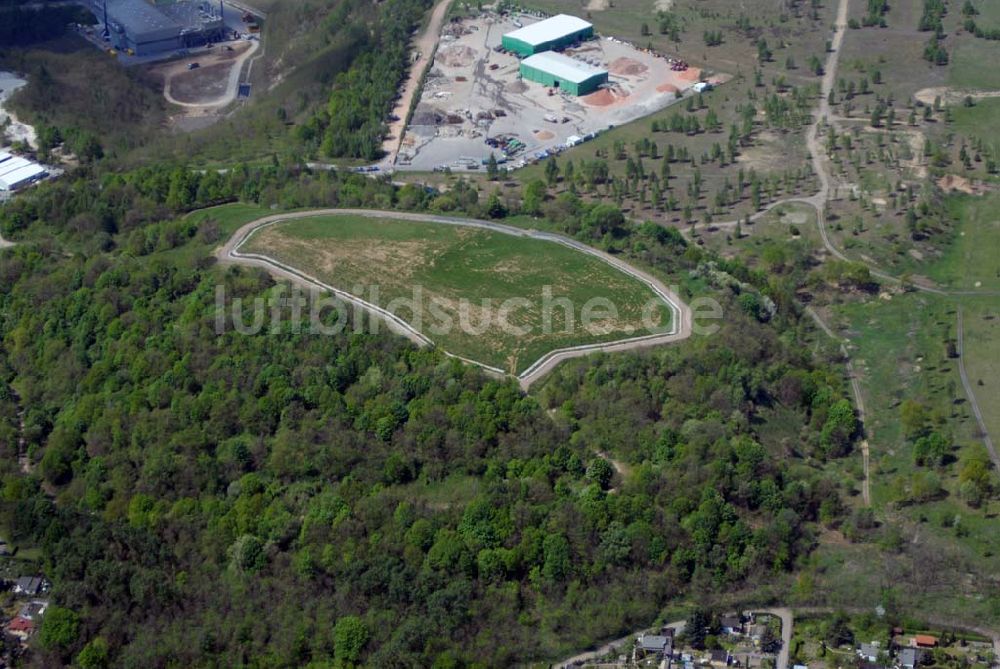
(473, 92)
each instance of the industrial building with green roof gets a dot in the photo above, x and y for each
(565, 73)
(553, 33)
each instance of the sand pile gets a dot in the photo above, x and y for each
(604, 97)
(667, 88)
(543, 135)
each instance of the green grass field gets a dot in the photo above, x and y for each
(464, 275)
(229, 217)
(971, 262)
(978, 122)
(898, 347)
(967, 69)
(982, 357)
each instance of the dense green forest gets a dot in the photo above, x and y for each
(21, 25)
(327, 81)
(225, 500)
(353, 122)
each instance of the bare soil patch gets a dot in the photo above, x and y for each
(543, 135)
(517, 87)
(201, 86)
(953, 182)
(667, 88)
(457, 56)
(951, 96)
(626, 67)
(690, 74)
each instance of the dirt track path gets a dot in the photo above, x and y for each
(425, 46)
(859, 402)
(681, 317)
(4, 244)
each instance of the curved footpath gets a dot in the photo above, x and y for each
(681, 318)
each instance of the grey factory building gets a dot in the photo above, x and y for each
(149, 26)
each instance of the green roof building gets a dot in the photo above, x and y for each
(563, 72)
(551, 34)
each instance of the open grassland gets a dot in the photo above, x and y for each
(971, 262)
(450, 283)
(896, 51)
(968, 59)
(229, 217)
(786, 233)
(937, 571)
(981, 317)
(899, 351)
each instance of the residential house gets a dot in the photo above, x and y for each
(731, 624)
(34, 609)
(800, 666)
(22, 628)
(909, 658)
(869, 652)
(924, 641)
(28, 585)
(653, 645)
(719, 658)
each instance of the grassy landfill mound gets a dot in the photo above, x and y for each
(456, 264)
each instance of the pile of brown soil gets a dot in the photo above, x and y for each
(601, 98)
(604, 97)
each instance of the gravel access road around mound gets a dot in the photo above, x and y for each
(681, 319)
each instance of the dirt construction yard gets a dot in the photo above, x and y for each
(208, 85)
(474, 92)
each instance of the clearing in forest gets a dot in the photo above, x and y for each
(495, 297)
